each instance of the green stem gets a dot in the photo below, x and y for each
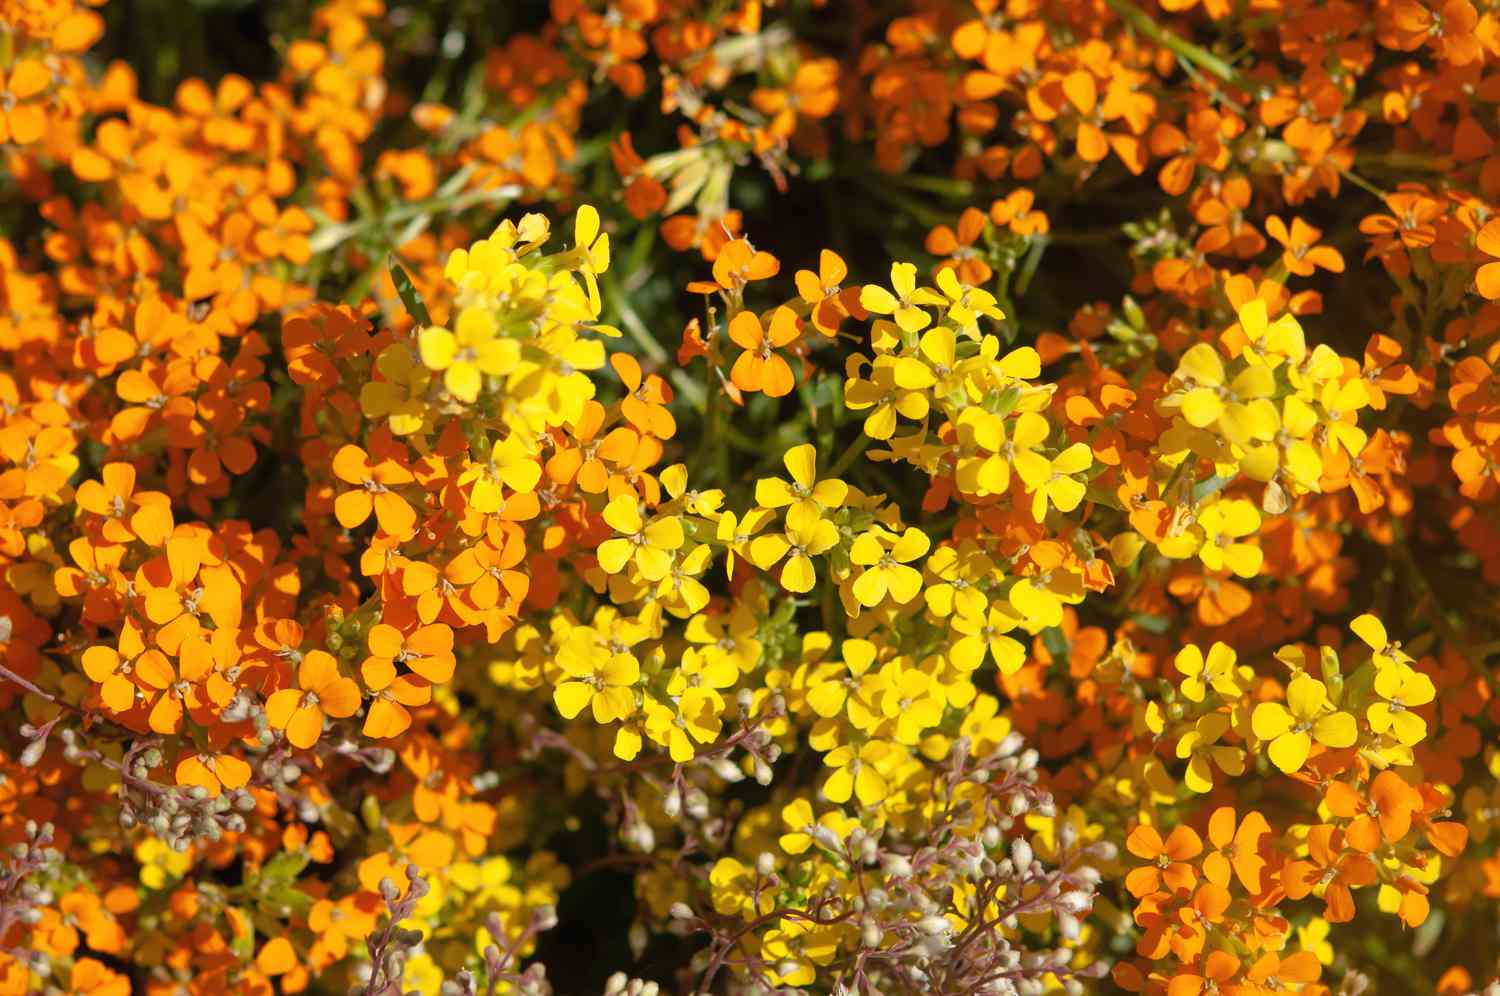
(1179, 46)
(636, 328)
(941, 185)
(1028, 268)
(1361, 183)
(850, 454)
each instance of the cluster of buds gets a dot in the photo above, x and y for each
(394, 944)
(953, 899)
(21, 897)
(179, 815)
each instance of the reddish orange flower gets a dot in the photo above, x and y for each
(1168, 859)
(759, 367)
(321, 692)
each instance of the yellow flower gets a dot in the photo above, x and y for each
(987, 470)
(961, 572)
(986, 633)
(1372, 632)
(422, 974)
(803, 540)
(797, 817)
(681, 591)
(882, 393)
(1223, 523)
(160, 864)
(1241, 409)
(696, 718)
(965, 303)
(1202, 750)
(511, 463)
(914, 701)
(398, 397)
(1049, 480)
(1216, 671)
(905, 304)
(1341, 403)
(734, 889)
(468, 353)
(807, 497)
(857, 773)
(1269, 343)
(831, 686)
(1307, 716)
(1402, 686)
(652, 546)
(595, 247)
(596, 676)
(1314, 937)
(737, 532)
(884, 557)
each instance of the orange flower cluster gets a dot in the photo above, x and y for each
(437, 539)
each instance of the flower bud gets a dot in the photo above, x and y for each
(1021, 854)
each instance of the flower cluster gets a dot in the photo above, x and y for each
(442, 551)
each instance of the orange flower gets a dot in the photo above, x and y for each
(645, 403)
(427, 650)
(1213, 976)
(373, 482)
(1301, 253)
(1168, 859)
(92, 978)
(113, 670)
(22, 120)
(1386, 813)
(1273, 973)
(959, 248)
(1488, 277)
(321, 692)
(114, 497)
(739, 263)
(1330, 868)
(831, 302)
(759, 367)
(214, 772)
(1237, 850)
(183, 586)
(393, 695)
(97, 578)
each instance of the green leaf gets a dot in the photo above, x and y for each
(408, 292)
(282, 870)
(1212, 485)
(1153, 624)
(1055, 642)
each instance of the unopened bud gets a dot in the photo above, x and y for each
(1021, 854)
(763, 773)
(1075, 902)
(33, 752)
(896, 866)
(727, 770)
(934, 925)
